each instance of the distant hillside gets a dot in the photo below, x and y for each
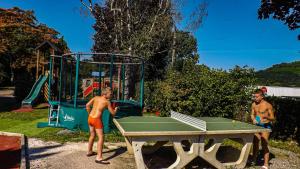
(284, 74)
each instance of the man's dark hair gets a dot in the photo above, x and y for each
(259, 91)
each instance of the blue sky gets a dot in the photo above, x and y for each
(230, 35)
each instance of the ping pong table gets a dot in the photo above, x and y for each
(138, 130)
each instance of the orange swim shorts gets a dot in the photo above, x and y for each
(95, 122)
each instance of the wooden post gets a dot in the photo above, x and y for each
(119, 83)
(37, 64)
(43, 64)
(52, 51)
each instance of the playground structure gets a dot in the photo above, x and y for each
(77, 77)
(40, 88)
(90, 86)
(35, 91)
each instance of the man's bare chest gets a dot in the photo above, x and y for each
(260, 109)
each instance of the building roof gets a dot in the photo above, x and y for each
(283, 91)
(50, 44)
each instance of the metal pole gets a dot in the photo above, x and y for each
(65, 79)
(142, 85)
(76, 80)
(123, 81)
(49, 81)
(60, 78)
(71, 79)
(111, 71)
(100, 73)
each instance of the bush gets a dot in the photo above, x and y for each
(287, 116)
(200, 91)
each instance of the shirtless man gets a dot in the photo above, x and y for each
(262, 115)
(99, 103)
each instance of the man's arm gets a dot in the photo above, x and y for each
(253, 114)
(89, 104)
(270, 115)
(111, 110)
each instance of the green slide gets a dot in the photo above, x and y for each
(35, 91)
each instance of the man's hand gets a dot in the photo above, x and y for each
(265, 118)
(255, 122)
(88, 109)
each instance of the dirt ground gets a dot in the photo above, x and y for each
(7, 101)
(53, 155)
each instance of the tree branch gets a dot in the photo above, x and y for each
(90, 6)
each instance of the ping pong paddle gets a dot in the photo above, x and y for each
(257, 118)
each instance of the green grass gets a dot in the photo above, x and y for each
(289, 145)
(285, 145)
(25, 123)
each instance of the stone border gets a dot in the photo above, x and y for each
(24, 163)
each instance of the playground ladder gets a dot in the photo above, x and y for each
(53, 113)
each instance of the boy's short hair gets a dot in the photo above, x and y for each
(259, 91)
(106, 90)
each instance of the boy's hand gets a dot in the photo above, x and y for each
(265, 117)
(255, 122)
(116, 109)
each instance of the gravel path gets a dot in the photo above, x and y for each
(53, 155)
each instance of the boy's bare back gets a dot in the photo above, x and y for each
(99, 103)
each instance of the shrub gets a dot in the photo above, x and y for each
(287, 118)
(200, 91)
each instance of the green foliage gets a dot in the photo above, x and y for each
(20, 34)
(287, 116)
(288, 145)
(186, 48)
(200, 91)
(25, 123)
(284, 74)
(287, 11)
(147, 29)
(4, 71)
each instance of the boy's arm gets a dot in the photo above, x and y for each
(270, 115)
(253, 114)
(111, 110)
(89, 104)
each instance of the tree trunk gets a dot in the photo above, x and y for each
(128, 73)
(173, 46)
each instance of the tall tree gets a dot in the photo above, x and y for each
(287, 11)
(146, 28)
(20, 33)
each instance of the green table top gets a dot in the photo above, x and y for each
(165, 125)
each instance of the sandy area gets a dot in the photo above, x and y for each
(53, 155)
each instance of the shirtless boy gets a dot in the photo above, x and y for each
(99, 103)
(262, 115)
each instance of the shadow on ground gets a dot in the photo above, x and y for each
(8, 103)
(117, 152)
(166, 156)
(37, 153)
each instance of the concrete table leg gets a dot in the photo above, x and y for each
(154, 148)
(138, 155)
(128, 145)
(242, 161)
(183, 158)
(210, 154)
